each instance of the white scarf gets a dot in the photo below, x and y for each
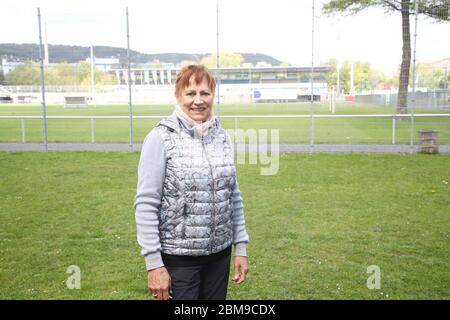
(201, 128)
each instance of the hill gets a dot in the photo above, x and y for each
(444, 63)
(72, 54)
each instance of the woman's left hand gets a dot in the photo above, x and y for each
(240, 269)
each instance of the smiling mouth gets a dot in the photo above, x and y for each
(198, 109)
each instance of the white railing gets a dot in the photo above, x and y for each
(394, 118)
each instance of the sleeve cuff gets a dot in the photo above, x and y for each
(240, 249)
(153, 261)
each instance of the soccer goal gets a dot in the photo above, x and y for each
(75, 101)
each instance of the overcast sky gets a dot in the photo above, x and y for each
(280, 28)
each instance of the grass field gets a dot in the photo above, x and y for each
(342, 130)
(314, 227)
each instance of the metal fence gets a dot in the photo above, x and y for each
(294, 129)
(433, 100)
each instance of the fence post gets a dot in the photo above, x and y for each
(411, 138)
(311, 133)
(92, 130)
(393, 129)
(22, 122)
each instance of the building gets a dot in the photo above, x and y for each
(254, 75)
(8, 66)
(251, 84)
(104, 64)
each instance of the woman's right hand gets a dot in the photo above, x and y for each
(159, 283)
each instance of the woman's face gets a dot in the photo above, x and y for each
(196, 100)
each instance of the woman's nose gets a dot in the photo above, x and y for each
(197, 99)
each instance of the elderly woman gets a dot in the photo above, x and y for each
(189, 210)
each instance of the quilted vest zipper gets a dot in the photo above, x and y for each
(213, 224)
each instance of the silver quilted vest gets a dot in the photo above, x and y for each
(196, 208)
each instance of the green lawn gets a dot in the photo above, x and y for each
(342, 130)
(314, 227)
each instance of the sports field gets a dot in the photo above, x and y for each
(327, 130)
(315, 227)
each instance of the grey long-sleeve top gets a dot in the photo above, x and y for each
(151, 175)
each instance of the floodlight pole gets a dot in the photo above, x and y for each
(44, 113)
(414, 51)
(311, 142)
(129, 81)
(92, 70)
(413, 100)
(46, 58)
(218, 57)
(338, 78)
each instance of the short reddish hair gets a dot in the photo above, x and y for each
(199, 72)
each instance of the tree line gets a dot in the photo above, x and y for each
(63, 74)
(366, 78)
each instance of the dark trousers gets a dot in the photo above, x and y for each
(208, 281)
